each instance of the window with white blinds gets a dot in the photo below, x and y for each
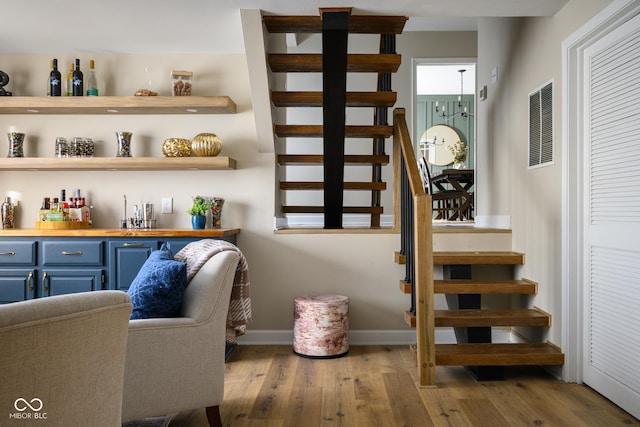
(541, 126)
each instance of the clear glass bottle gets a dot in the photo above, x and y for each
(8, 213)
(92, 83)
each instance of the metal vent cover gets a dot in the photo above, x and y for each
(541, 126)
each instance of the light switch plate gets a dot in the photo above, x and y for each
(167, 205)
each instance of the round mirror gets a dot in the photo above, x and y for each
(435, 143)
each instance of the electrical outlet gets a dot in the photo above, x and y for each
(167, 205)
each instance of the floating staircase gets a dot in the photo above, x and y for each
(473, 324)
(334, 62)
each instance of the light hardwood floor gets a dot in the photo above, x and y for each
(376, 386)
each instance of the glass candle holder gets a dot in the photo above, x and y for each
(16, 144)
(124, 144)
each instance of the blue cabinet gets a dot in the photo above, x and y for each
(33, 267)
(18, 273)
(126, 256)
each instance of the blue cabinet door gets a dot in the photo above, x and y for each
(126, 256)
(17, 284)
(60, 281)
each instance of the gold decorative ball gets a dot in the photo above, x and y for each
(206, 145)
(176, 147)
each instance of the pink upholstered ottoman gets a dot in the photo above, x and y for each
(321, 326)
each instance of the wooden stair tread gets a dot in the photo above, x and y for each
(473, 286)
(498, 354)
(315, 99)
(317, 131)
(478, 318)
(317, 159)
(478, 258)
(484, 287)
(319, 185)
(358, 24)
(345, 209)
(312, 62)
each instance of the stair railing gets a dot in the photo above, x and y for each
(417, 245)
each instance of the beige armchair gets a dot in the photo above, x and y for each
(177, 364)
(62, 359)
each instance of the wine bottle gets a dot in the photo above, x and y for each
(70, 80)
(92, 84)
(55, 82)
(78, 83)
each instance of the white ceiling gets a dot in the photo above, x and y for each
(211, 26)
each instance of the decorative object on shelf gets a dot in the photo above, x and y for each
(181, 82)
(462, 111)
(206, 145)
(459, 151)
(124, 144)
(198, 212)
(216, 212)
(8, 214)
(176, 147)
(4, 80)
(16, 144)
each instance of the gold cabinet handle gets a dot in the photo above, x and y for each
(44, 282)
(72, 253)
(8, 253)
(126, 245)
(30, 281)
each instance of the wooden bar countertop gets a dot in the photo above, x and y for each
(116, 232)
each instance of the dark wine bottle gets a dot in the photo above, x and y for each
(55, 80)
(78, 84)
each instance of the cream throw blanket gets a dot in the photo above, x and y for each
(196, 254)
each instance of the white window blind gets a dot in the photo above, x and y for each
(541, 126)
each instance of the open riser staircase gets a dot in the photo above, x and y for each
(473, 323)
(464, 294)
(334, 63)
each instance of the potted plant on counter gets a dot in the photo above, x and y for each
(198, 212)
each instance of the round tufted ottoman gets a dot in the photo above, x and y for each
(321, 326)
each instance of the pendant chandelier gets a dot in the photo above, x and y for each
(462, 111)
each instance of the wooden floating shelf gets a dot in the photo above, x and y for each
(116, 163)
(117, 105)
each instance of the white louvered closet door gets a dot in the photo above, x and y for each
(611, 243)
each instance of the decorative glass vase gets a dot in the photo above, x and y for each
(16, 144)
(216, 212)
(124, 144)
(198, 222)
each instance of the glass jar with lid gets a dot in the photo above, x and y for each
(61, 148)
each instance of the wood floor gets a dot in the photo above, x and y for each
(376, 386)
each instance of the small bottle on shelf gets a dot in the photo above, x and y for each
(70, 80)
(78, 80)
(55, 80)
(92, 84)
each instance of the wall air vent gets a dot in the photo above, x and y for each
(541, 126)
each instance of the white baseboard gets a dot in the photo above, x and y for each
(366, 337)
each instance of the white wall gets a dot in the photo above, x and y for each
(527, 53)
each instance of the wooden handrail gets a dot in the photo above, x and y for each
(422, 252)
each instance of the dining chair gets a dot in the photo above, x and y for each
(446, 203)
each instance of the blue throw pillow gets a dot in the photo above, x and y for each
(158, 288)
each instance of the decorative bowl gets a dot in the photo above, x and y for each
(176, 147)
(206, 145)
